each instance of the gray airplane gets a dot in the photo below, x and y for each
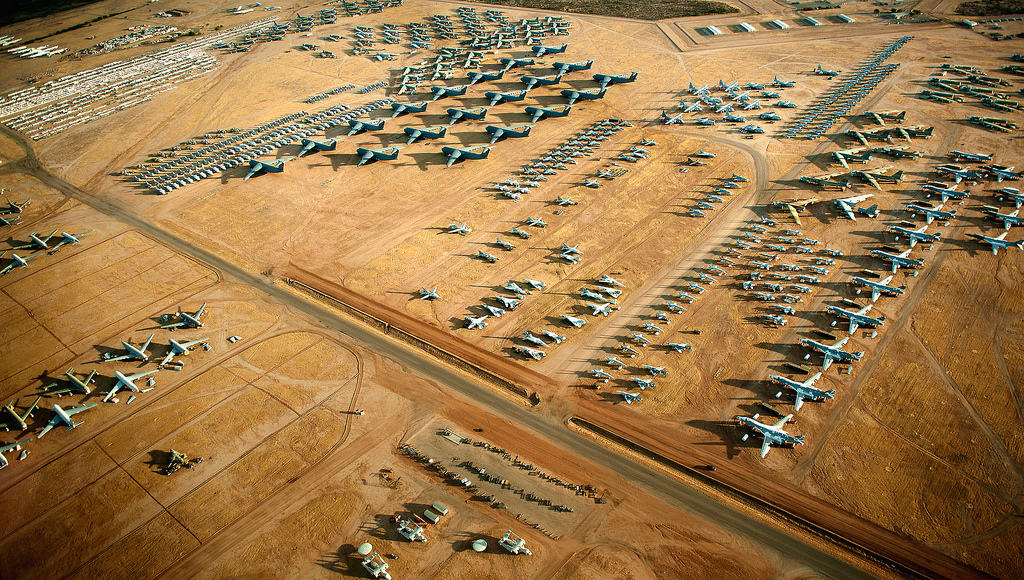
(311, 144)
(772, 434)
(831, 353)
(68, 239)
(64, 416)
(37, 242)
(803, 390)
(441, 92)
(914, 236)
(529, 337)
(574, 95)
(537, 113)
(77, 385)
(133, 352)
(259, 167)
(180, 349)
(533, 81)
(382, 154)
(610, 79)
(545, 50)
(997, 242)
(486, 257)
(558, 338)
(473, 323)
(511, 131)
(563, 67)
(456, 153)
(123, 381)
(1009, 219)
(9, 447)
(901, 260)
(857, 319)
(536, 222)
(188, 319)
(572, 320)
(456, 115)
(429, 294)
(603, 308)
(530, 352)
(931, 214)
(406, 108)
(415, 133)
(457, 228)
(508, 97)
(878, 288)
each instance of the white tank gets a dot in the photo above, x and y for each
(479, 545)
(364, 549)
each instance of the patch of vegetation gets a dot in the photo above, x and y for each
(990, 7)
(640, 9)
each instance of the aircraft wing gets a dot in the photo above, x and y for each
(854, 325)
(793, 212)
(53, 423)
(847, 209)
(875, 294)
(118, 358)
(810, 382)
(840, 343)
(74, 410)
(173, 325)
(799, 401)
(871, 179)
(766, 446)
(782, 421)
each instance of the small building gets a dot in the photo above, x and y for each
(844, 19)
(746, 27)
(811, 21)
(712, 30)
(779, 24)
(439, 508)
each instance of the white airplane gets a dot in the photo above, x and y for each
(472, 323)
(630, 398)
(64, 416)
(848, 203)
(12, 446)
(856, 318)
(772, 434)
(36, 241)
(133, 353)
(831, 353)
(180, 348)
(461, 229)
(14, 418)
(125, 382)
(18, 261)
(878, 288)
(188, 319)
(72, 239)
(603, 308)
(429, 294)
(803, 389)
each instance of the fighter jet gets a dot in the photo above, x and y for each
(675, 120)
(508, 303)
(11, 418)
(382, 154)
(461, 229)
(123, 381)
(64, 416)
(857, 319)
(803, 389)
(831, 353)
(537, 113)
(441, 92)
(997, 242)
(847, 204)
(511, 131)
(603, 308)
(572, 320)
(529, 337)
(406, 108)
(914, 236)
(493, 310)
(133, 352)
(188, 319)
(456, 153)
(558, 338)
(486, 257)
(536, 222)
(601, 375)
(901, 260)
(11, 446)
(415, 133)
(429, 294)
(530, 352)
(630, 398)
(472, 323)
(18, 261)
(704, 154)
(825, 72)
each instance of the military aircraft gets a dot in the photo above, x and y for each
(4, 221)
(529, 337)
(415, 133)
(601, 375)
(997, 242)
(258, 167)
(945, 193)
(704, 121)
(545, 50)
(704, 154)
(825, 72)
(630, 398)
(188, 319)
(15, 419)
(472, 323)
(441, 92)
(476, 77)
(563, 67)
(311, 144)
(784, 84)
(530, 352)
(803, 389)
(795, 206)
(536, 222)
(752, 105)
(381, 154)
(931, 214)
(574, 95)
(509, 303)
(133, 352)
(123, 381)
(606, 279)
(456, 115)
(456, 153)
(785, 104)
(678, 347)
(603, 308)
(674, 120)
(356, 126)
(914, 236)
(901, 260)
(772, 434)
(511, 131)
(564, 201)
(643, 384)
(1011, 193)
(537, 113)
(959, 174)
(180, 348)
(405, 108)
(572, 320)
(508, 97)
(11, 446)
(1001, 173)
(461, 229)
(1009, 219)
(697, 90)
(18, 261)
(847, 204)
(974, 157)
(857, 319)
(733, 118)
(824, 181)
(486, 257)
(558, 338)
(64, 416)
(751, 129)
(493, 310)
(858, 155)
(77, 385)
(610, 79)
(511, 63)
(831, 353)
(724, 108)
(532, 81)
(694, 108)
(429, 294)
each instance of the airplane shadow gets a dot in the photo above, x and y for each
(426, 159)
(723, 430)
(468, 138)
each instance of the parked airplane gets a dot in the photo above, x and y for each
(537, 113)
(878, 288)
(486, 257)
(529, 337)
(826, 182)
(997, 242)
(456, 153)
(675, 120)
(441, 92)
(784, 84)
(15, 419)
(511, 131)
(785, 104)
(914, 236)
(493, 310)
(405, 108)
(530, 352)
(415, 133)
(825, 72)
(12, 207)
(9, 447)
(630, 398)
(772, 434)
(1009, 219)
(132, 352)
(977, 157)
(847, 204)
(455, 115)
(563, 67)
(577, 322)
(678, 347)
(472, 323)
(381, 154)
(545, 50)
(795, 206)
(959, 174)
(356, 126)
(901, 260)
(857, 319)
(429, 294)
(1001, 173)
(456, 228)
(77, 385)
(64, 416)
(704, 121)
(558, 338)
(123, 381)
(18, 261)
(180, 348)
(188, 319)
(803, 389)
(831, 353)
(751, 129)
(602, 308)
(574, 95)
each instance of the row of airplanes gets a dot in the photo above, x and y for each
(739, 98)
(775, 434)
(11, 418)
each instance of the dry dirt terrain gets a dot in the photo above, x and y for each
(917, 460)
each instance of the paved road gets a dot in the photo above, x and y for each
(551, 428)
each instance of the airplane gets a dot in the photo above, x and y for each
(456, 115)
(785, 104)
(694, 108)
(899, 260)
(844, 157)
(5, 448)
(472, 323)
(511, 286)
(381, 154)
(461, 229)
(626, 349)
(630, 398)
(591, 183)
(858, 318)
(825, 72)
(945, 193)
(831, 353)
(1001, 173)
(405, 108)
(784, 84)
(825, 182)
(558, 338)
(35, 241)
(508, 303)
(415, 133)
(773, 319)
(752, 106)
(644, 384)
(733, 118)
(881, 117)
(678, 347)
(647, 142)
(132, 352)
(77, 385)
(311, 144)
(574, 95)
(795, 206)
(123, 381)
(704, 154)
(915, 236)
(772, 434)
(493, 310)
(180, 348)
(997, 242)
(533, 81)
(13, 206)
(1011, 193)
(504, 245)
(959, 174)
(64, 416)
(511, 131)
(486, 257)
(847, 204)
(609, 79)
(362, 126)
(441, 92)
(604, 376)
(188, 319)
(770, 94)
(695, 90)
(704, 121)
(751, 129)
(9, 221)
(563, 67)
(520, 233)
(475, 77)
(498, 97)
(606, 279)
(803, 389)
(529, 337)
(656, 371)
(614, 362)
(724, 109)
(564, 201)
(537, 113)
(1009, 219)
(603, 308)
(17, 419)
(567, 249)
(429, 294)
(536, 222)
(577, 322)
(511, 63)
(974, 157)
(539, 51)
(530, 352)
(727, 88)
(18, 261)
(66, 238)
(674, 120)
